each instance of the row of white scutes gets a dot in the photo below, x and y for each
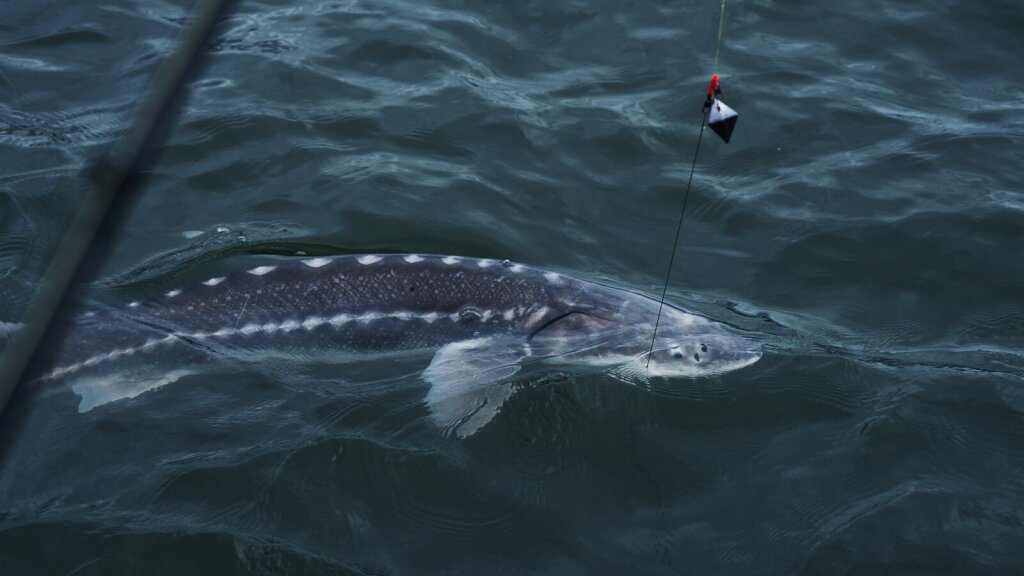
(308, 324)
(369, 259)
(311, 322)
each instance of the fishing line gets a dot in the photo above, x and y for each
(675, 243)
(722, 121)
(718, 44)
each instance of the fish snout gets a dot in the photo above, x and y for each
(702, 355)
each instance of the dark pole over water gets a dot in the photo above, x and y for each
(105, 182)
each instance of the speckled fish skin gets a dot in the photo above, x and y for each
(374, 304)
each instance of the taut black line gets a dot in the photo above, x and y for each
(679, 230)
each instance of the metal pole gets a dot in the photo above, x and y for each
(107, 182)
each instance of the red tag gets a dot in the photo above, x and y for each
(714, 85)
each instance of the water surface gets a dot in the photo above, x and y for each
(865, 225)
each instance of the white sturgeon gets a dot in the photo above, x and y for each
(483, 317)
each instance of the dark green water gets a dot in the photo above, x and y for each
(866, 225)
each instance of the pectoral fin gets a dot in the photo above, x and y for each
(468, 382)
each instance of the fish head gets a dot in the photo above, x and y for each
(694, 355)
(688, 345)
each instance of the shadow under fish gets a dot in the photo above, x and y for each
(490, 323)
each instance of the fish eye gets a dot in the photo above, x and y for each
(677, 353)
(703, 348)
